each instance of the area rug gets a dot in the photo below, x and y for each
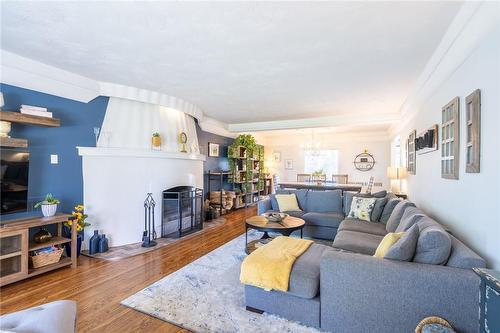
(130, 250)
(207, 296)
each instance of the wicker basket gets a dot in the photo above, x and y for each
(45, 259)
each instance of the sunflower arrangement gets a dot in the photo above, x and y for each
(79, 218)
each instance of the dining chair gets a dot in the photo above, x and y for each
(340, 179)
(303, 177)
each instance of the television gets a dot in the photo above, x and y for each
(14, 180)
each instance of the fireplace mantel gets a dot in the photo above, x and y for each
(145, 153)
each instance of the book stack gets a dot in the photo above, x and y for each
(35, 111)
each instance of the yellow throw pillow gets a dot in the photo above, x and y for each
(389, 240)
(287, 203)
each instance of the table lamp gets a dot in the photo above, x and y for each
(396, 173)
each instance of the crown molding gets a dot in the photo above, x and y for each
(332, 121)
(473, 22)
(26, 73)
(214, 126)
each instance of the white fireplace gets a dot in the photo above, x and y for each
(116, 181)
(122, 169)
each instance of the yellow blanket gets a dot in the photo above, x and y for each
(269, 266)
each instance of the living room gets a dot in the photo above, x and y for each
(224, 166)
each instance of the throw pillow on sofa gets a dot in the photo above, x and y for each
(404, 248)
(397, 213)
(434, 243)
(287, 203)
(387, 242)
(361, 208)
(378, 209)
(388, 208)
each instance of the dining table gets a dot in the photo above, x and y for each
(325, 186)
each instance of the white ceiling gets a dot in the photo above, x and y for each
(241, 61)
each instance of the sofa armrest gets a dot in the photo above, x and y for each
(360, 293)
(264, 206)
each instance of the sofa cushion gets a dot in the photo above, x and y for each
(463, 257)
(301, 197)
(361, 208)
(329, 219)
(373, 228)
(299, 213)
(378, 209)
(357, 242)
(397, 213)
(411, 216)
(388, 208)
(404, 248)
(324, 201)
(434, 243)
(304, 278)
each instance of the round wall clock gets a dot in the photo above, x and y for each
(364, 161)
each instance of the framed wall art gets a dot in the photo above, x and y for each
(213, 149)
(288, 164)
(411, 156)
(450, 139)
(473, 133)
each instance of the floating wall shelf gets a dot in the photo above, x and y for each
(13, 143)
(26, 119)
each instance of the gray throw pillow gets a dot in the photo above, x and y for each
(411, 216)
(388, 208)
(433, 245)
(404, 248)
(397, 213)
(377, 209)
(379, 194)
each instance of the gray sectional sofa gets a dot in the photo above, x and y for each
(343, 288)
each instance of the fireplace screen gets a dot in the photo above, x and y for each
(182, 211)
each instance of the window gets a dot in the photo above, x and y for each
(326, 160)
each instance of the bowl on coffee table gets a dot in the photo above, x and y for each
(275, 217)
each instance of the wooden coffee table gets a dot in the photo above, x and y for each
(260, 223)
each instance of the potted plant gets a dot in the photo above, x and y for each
(78, 219)
(156, 140)
(49, 205)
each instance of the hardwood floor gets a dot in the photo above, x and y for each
(98, 286)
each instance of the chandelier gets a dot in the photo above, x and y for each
(312, 148)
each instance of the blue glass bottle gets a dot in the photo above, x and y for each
(103, 244)
(94, 243)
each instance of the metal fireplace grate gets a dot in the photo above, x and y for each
(182, 211)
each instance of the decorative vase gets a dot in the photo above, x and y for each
(67, 246)
(103, 244)
(42, 236)
(94, 243)
(49, 210)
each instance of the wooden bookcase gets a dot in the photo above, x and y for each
(248, 178)
(15, 247)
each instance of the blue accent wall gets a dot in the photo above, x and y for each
(63, 180)
(214, 163)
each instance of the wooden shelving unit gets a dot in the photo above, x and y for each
(13, 143)
(248, 177)
(15, 247)
(26, 119)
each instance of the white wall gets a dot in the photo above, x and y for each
(348, 144)
(469, 206)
